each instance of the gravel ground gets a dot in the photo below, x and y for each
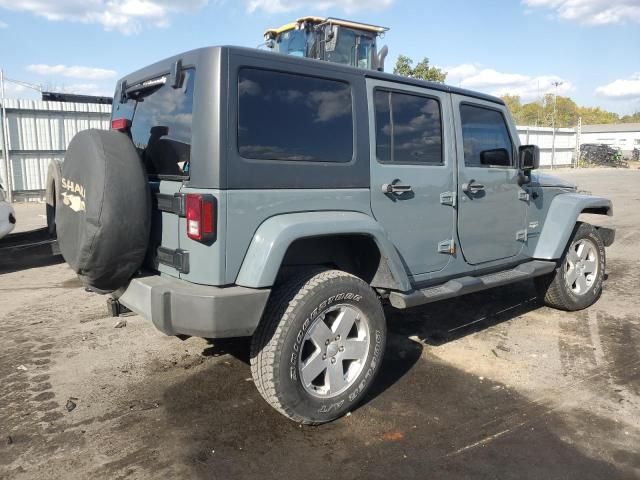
(491, 385)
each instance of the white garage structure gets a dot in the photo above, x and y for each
(625, 136)
(565, 148)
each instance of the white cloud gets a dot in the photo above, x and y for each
(73, 71)
(127, 16)
(13, 90)
(476, 77)
(591, 12)
(278, 6)
(622, 89)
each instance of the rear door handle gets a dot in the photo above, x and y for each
(472, 187)
(395, 188)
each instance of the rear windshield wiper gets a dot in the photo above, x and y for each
(142, 89)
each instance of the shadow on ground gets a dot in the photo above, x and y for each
(442, 423)
(24, 250)
(438, 422)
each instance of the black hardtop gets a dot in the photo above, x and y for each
(193, 57)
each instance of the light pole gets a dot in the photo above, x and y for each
(5, 167)
(553, 120)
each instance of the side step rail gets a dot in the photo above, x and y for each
(465, 285)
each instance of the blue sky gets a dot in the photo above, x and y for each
(496, 46)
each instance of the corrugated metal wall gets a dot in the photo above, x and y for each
(41, 131)
(566, 141)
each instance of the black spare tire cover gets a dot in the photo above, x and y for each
(103, 212)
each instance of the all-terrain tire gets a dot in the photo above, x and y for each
(278, 346)
(558, 289)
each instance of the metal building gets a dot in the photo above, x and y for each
(564, 153)
(41, 131)
(624, 136)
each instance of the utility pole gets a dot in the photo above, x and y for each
(553, 124)
(5, 168)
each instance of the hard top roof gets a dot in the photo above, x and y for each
(192, 57)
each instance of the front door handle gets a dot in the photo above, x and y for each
(396, 188)
(472, 187)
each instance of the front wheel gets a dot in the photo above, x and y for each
(318, 346)
(577, 282)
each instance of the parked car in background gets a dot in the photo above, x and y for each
(7, 215)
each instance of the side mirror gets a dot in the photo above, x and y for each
(529, 157)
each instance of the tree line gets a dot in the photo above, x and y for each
(539, 113)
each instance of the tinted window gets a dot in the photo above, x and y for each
(161, 125)
(408, 128)
(485, 136)
(284, 116)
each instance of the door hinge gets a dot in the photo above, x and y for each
(523, 195)
(170, 203)
(448, 198)
(447, 246)
(521, 235)
(178, 259)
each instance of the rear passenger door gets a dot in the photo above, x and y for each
(412, 172)
(493, 206)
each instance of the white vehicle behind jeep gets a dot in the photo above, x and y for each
(7, 215)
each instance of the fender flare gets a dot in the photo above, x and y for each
(274, 236)
(561, 220)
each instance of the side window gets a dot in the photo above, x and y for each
(284, 116)
(485, 137)
(408, 128)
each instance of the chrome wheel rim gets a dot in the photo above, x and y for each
(581, 266)
(333, 351)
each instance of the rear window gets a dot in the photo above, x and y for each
(408, 128)
(161, 124)
(283, 116)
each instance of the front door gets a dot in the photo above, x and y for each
(492, 209)
(412, 172)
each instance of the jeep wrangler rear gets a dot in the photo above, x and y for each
(246, 193)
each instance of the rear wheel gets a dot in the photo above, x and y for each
(319, 345)
(577, 282)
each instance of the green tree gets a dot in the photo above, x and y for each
(514, 105)
(633, 118)
(422, 70)
(594, 115)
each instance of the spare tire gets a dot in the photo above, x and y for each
(103, 213)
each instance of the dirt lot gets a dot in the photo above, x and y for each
(491, 385)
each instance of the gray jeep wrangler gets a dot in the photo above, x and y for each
(246, 193)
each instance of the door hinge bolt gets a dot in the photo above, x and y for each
(447, 246)
(448, 198)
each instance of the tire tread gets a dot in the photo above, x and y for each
(269, 335)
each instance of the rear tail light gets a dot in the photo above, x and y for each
(201, 217)
(120, 124)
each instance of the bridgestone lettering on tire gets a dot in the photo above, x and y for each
(577, 282)
(319, 345)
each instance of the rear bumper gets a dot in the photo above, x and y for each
(177, 307)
